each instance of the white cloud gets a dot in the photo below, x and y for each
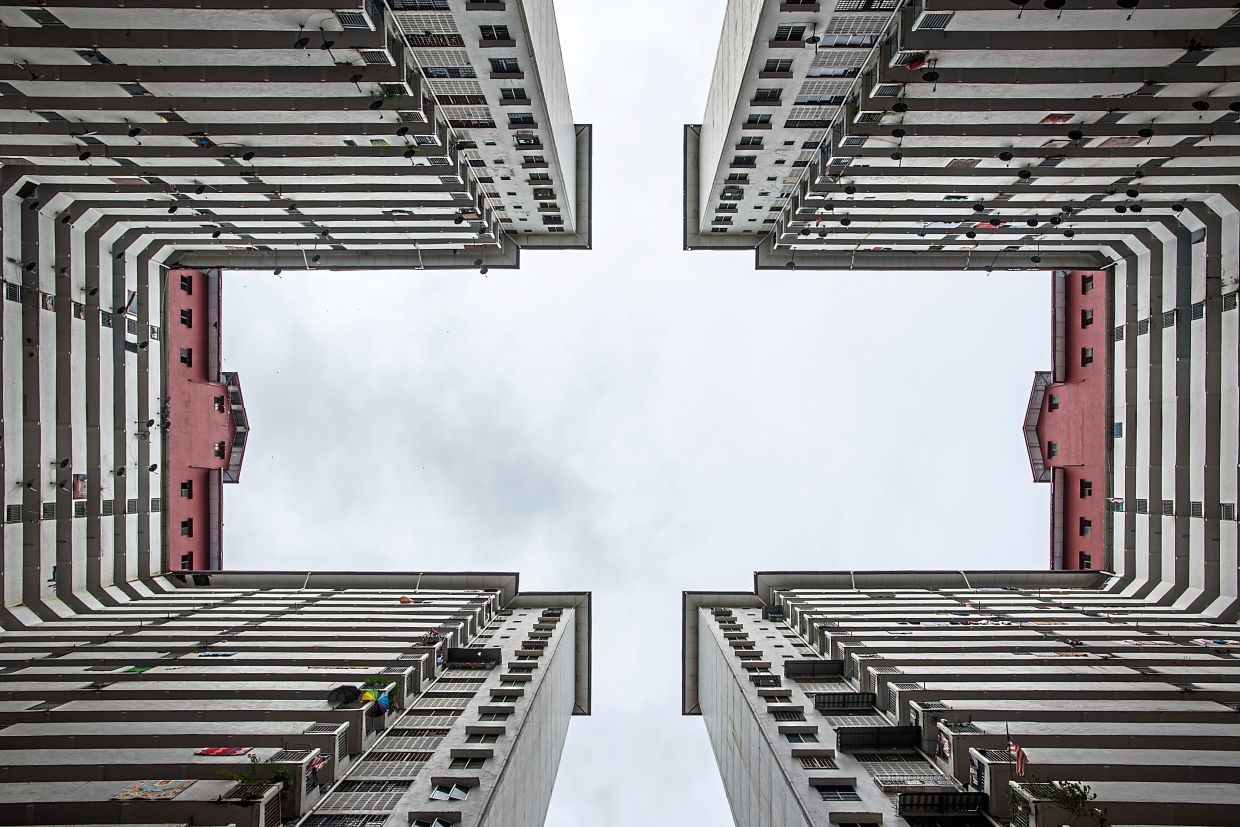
(636, 420)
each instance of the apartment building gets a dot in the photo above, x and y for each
(1067, 423)
(1090, 140)
(144, 148)
(203, 419)
(318, 699)
(964, 699)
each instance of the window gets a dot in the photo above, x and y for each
(1052, 449)
(1087, 356)
(745, 160)
(782, 64)
(1087, 561)
(1087, 284)
(219, 450)
(1086, 527)
(187, 489)
(482, 738)
(766, 95)
(1227, 511)
(505, 66)
(187, 356)
(533, 159)
(1087, 318)
(1052, 403)
(738, 177)
(789, 34)
(789, 714)
(801, 737)
(187, 528)
(516, 93)
(467, 763)
(519, 118)
(449, 792)
(1117, 429)
(493, 716)
(1087, 488)
(187, 317)
(838, 793)
(495, 33)
(423, 822)
(818, 762)
(751, 140)
(187, 284)
(757, 120)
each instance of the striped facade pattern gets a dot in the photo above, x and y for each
(258, 668)
(972, 698)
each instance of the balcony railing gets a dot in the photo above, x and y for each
(942, 802)
(851, 739)
(837, 701)
(811, 668)
(474, 658)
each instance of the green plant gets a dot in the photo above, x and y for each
(1074, 798)
(252, 784)
(284, 778)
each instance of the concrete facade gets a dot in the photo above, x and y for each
(146, 144)
(1068, 429)
(890, 698)
(204, 419)
(939, 134)
(271, 669)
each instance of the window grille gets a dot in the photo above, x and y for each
(838, 793)
(1229, 301)
(1227, 511)
(818, 762)
(366, 795)
(1168, 319)
(1199, 311)
(49, 511)
(1196, 508)
(1119, 333)
(13, 513)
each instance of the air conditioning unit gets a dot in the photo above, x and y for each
(377, 57)
(934, 20)
(356, 19)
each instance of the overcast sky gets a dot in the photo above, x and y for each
(636, 420)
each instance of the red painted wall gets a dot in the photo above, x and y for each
(194, 423)
(1079, 427)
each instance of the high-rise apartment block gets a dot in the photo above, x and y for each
(947, 699)
(147, 147)
(319, 699)
(1094, 140)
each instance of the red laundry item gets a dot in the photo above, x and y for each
(223, 751)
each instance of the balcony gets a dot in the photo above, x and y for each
(834, 702)
(853, 738)
(808, 669)
(473, 658)
(941, 802)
